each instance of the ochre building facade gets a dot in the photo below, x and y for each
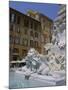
(26, 32)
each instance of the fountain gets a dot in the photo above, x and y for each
(27, 77)
(51, 65)
(43, 70)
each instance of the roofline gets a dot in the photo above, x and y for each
(42, 15)
(24, 14)
(46, 17)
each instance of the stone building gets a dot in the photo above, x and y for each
(28, 31)
(24, 32)
(46, 25)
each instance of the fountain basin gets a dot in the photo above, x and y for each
(44, 78)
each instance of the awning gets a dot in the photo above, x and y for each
(17, 61)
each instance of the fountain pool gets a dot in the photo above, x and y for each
(18, 81)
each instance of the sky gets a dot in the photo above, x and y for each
(49, 10)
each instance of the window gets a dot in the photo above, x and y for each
(31, 33)
(11, 39)
(15, 57)
(35, 26)
(31, 25)
(36, 44)
(25, 42)
(26, 22)
(18, 29)
(24, 52)
(18, 20)
(11, 27)
(12, 17)
(31, 43)
(17, 40)
(25, 31)
(15, 50)
(36, 34)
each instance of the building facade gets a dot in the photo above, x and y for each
(46, 25)
(25, 32)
